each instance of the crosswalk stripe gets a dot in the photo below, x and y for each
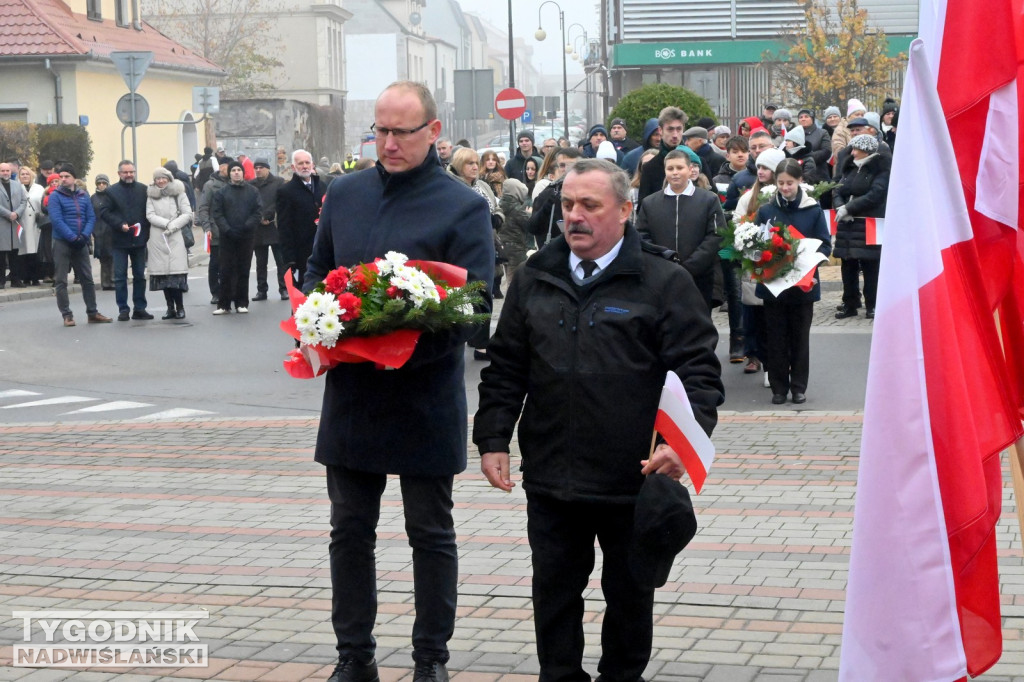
(176, 413)
(16, 393)
(51, 401)
(111, 406)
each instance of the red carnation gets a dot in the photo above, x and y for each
(442, 293)
(336, 280)
(352, 306)
(777, 241)
(774, 229)
(766, 256)
(364, 277)
(393, 292)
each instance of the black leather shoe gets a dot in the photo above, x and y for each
(845, 312)
(351, 670)
(284, 295)
(261, 296)
(123, 316)
(180, 314)
(214, 301)
(799, 398)
(141, 315)
(778, 399)
(430, 672)
(169, 315)
(870, 313)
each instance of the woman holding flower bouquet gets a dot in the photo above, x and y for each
(788, 315)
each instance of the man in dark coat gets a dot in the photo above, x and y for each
(410, 421)
(298, 210)
(125, 214)
(214, 184)
(266, 234)
(591, 396)
(672, 121)
(618, 136)
(696, 138)
(516, 166)
(236, 211)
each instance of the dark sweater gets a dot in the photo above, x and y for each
(236, 210)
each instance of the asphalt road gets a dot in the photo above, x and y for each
(231, 365)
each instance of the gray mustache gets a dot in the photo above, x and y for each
(579, 228)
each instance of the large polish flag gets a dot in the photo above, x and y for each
(923, 593)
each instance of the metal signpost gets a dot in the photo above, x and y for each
(132, 67)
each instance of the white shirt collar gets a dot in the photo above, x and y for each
(602, 262)
(687, 191)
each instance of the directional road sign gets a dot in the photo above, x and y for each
(510, 104)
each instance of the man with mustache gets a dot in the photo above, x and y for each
(590, 326)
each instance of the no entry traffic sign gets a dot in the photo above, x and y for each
(510, 104)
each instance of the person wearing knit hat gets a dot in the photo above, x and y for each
(617, 135)
(598, 134)
(719, 136)
(161, 172)
(863, 177)
(770, 159)
(795, 147)
(692, 155)
(866, 143)
(516, 166)
(101, 178)
(830, 112)
(782, 115)
(236, 211)
(606, 150)
(103, 248)
(855, 108)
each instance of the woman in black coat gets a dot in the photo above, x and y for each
(863, 184)
(788, 315)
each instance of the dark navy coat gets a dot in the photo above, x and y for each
(412, 420)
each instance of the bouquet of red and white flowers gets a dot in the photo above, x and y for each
(777, 256)
(375, 312)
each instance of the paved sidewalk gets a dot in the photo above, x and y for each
(232, 516)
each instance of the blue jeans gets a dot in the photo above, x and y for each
(138, 257)
(355, 510)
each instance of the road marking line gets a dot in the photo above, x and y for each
(52, 401)
(16, 393)
(111, 406)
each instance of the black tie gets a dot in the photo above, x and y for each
(309, 186)
(588, 267)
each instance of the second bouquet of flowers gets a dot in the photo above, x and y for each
(777, 256)
(376, 312)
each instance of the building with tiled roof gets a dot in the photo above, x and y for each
(55, 67)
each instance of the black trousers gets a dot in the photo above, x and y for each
(755, 335)
(789, 345)
(262, 258)
(235, 261)
(562, 544)
(733, 296)
(850, 269)
(213, 270)
(8, 261)
(355, 510)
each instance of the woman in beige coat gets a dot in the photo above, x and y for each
(168, 212)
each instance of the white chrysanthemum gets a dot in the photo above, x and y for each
(305, 318)
(310, 337)
(391, 261)
(769, 190)
(328, 325)
(332, 307)
(316, 302)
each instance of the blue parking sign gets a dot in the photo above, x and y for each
(527, 116)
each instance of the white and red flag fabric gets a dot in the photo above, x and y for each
(942, 401)
(677, 425)
(206, 241)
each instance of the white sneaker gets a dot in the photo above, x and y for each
(767, 384)
(241, 309)
(220, 311)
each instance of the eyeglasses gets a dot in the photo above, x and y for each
(398, 133)
(563, 165)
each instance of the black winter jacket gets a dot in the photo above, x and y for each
(127, 204)
(267, 234)
(806, 216)
(689, 226)
(547, 213)
(812, 176)
(863, 191)
(297, 213)
(411, 420)
(516, 166)
(236, 210)
(590, 363)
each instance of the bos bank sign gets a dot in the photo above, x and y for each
(712, 51)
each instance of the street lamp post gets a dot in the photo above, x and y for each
(541, 34)
(579, 56)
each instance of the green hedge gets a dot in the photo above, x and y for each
(31, 143)
(648, 101)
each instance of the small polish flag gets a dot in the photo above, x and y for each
(136, 229)
(206, 242)
(874, 229)
(21, 231)
(677, 425)
(833, 224)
